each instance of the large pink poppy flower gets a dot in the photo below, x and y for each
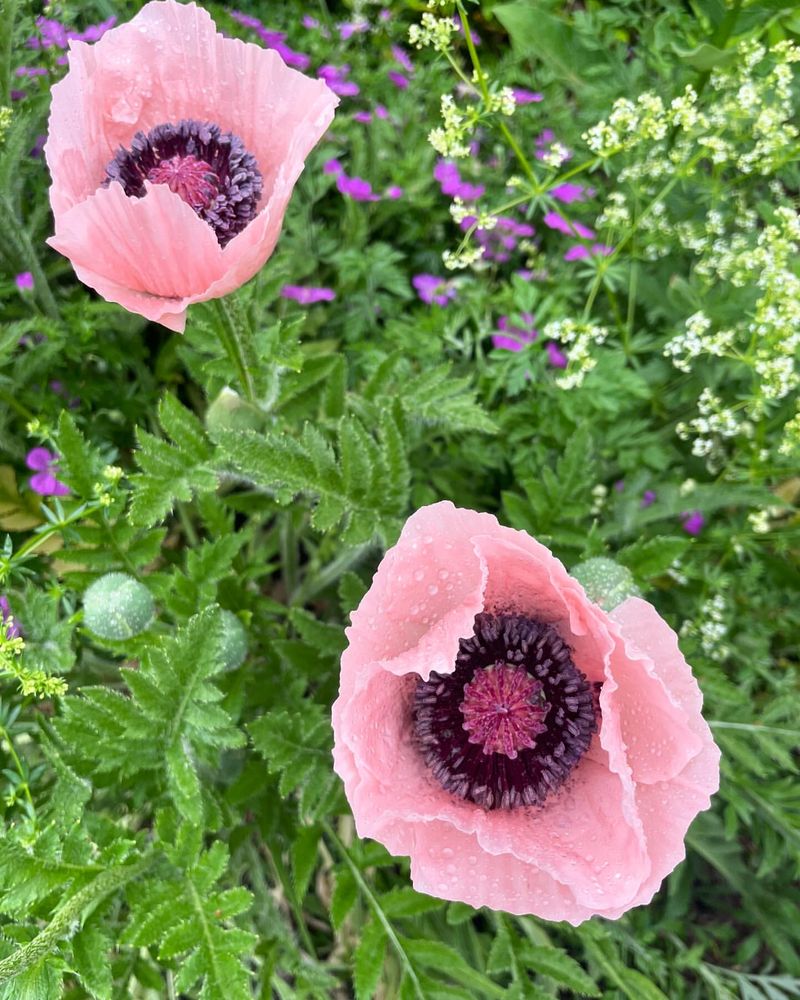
(529, 751)
(173, 153)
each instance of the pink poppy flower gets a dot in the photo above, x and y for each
(529, 750)
(156, 232)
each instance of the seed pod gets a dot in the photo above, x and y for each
(605, 582)
(117, 607)
(233, 647)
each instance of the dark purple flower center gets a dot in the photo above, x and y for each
(509, 724)
(209, 169)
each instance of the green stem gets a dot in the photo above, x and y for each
(748, 727)
(5, 735)
(6, 47)
(317, 581)
(282, 878)
(229, 338)
(68, 914)
(377, 909)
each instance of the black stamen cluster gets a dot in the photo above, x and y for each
(495, 781)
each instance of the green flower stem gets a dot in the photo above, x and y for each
(68, 913)
(229, 338)
(376, 908)
(40, 537)
(5, 735)
(317, 581)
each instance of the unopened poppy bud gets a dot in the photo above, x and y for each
(233, 647)
(605, 582)
(117, 607)
(230, 412)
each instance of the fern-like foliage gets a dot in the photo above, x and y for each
(182, 912)
(360, 480)
(170, 471)
(171, 722)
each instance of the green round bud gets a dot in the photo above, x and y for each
(233, 645)
(230, 412)
(117, 607)
(605, 582)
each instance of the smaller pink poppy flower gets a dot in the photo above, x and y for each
(24, 281)
(527, 748)
(45, 465)
(173, 153)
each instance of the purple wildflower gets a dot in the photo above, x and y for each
(581, 252)
(693, 522)
(648, 497)
(332, 166)
(555, 355)
(522, 96)
(402, 58)
(309, 22)
(381, 111)
(433, 290)
(619, 485)
(513, 337)
(568, 193)
(55, 35)
(335, 76)
(498, 242)
(447, 174)
(275, 40)
(350, 28)
(307, 295)
(30, 71)
(45, 464)
(13, 630)
(24, 281)
(356, 188)
(556, 221)
(398, 79)
(394, 192)
(364, 117)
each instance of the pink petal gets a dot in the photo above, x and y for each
(39, 459)
(667, 808)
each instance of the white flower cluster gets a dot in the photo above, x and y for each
(615, 214)
(577, 339)
(503, 102)
(451, 139)
(697, 339)
(555, 154)
(465, 256)
(790, 445)
(432, 31)
(714, 422)
(710, 628)
(630, 123)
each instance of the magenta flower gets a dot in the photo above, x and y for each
(531, 751)
(211, 135)
(349, 28)
(398, 79)
(332, 166)
(581, 252)
(556, 357)
(393, 193)
(275, 40)
(356, 188)
(693, 522)
(309, 22)
(381, 111)
(556, 221)
(499, 241)
(364, 117)
(336, 78)
(30, 71)
(513, 337)
(433, 290)
(45, 466)
(402, 58)
(55, 35)
(648, 497)
(24, 281)
(13, 631)
(306, 295)
(523, 96)
(567, 193)
(447, 174)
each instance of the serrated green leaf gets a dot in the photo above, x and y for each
(557, 965)
(368, 959)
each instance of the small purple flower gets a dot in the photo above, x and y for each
(567, 193)
(513, 337)
(30, 71)
(433, 290)
(523, 96)
(350, 28)
(393, 193)
(581, 252)
(364, 117)
(398, 79)
(555, 355)
(498, 242)
(24, 281)
(356, 188)
(309, 22)
(402, 58)
(13, 630)
(693, 522)
(307, 295)
(447, 174)
(648, 497)
(45, 464)
(332, 166)
(335, 77)
(556, 221)
(619, 485)
(275, 40)
(381, 111)
(38, 146)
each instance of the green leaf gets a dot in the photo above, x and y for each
(41, 982)
(651, 557)
(173, 471)
(557, 965)
(343, 898)
(304, 857)
(79, 463)
(91, 948)
(183, 783)
(368, 959)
